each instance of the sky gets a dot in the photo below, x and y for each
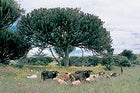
(121, 18)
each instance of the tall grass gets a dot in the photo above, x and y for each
(13, 80)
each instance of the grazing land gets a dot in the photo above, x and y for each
(13, 80)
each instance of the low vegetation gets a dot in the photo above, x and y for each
(13, 80)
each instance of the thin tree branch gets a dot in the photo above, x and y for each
(54, 56)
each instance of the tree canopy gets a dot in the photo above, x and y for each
(12, 44)
(65, 27)
(9, 12)
(129, 54)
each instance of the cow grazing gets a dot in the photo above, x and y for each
(60, 81)
(48, 74)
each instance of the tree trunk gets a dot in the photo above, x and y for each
(54, 56)
(121, 70)
(66, 58)
(82, 52)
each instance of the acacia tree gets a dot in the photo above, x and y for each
(12, 44)
(64, 27)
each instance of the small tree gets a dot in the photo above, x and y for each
(108, 62)
(121, 61)
(129, 54)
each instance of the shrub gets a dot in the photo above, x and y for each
(77, 61)
(94, 61)
(121, 61)
(39, 60)
(137, 61)
(129, 54)
(108, 61)
(16, 64)
(83, 61)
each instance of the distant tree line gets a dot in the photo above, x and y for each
(125, 59)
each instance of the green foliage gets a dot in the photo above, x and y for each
(129, 54)
(63, 28)
(73, 61)
(94, 61)
(121, 61)
(39, 60)
(14, 80)
(137, 61)
(126, 58)
(108, 62)
(12, 46)
(17, 65)
(79, 61)
(83, 61)
(61, 53)
(9, 12)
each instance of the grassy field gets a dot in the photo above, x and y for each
(13, 80)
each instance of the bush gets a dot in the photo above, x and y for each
(39, 60)
(125, 62)
(77, 61)
(137, 61)
(16, 64)
(129, 54)
(108, 61)
(94, 61)
(83, 61)
(121, 61)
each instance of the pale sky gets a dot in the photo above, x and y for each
(122, 17)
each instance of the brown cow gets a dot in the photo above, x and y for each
(91, 78)
(65, 77)
(76, 83)
(60, 81)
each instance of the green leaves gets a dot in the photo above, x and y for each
(9, 12)
(129, 54)
(12, 45)
(64, 27)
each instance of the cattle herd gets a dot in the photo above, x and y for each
(76, 78)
